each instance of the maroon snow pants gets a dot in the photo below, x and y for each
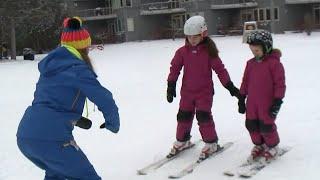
(199, 104)
(261, 126)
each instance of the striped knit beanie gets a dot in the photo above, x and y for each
(73, 34)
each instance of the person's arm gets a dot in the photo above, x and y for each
(243, 92)
(244, 84)
(278, 76)
(176, 66)
(87, 82)
(224, 77)
(221, 71)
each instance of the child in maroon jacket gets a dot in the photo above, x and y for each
(198, 57)
(264, 87)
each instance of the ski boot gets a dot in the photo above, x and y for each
(256, 152)
(179, 146)
(208, 149)
(270, 154)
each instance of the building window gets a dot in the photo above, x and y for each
(108, 3)
(128, 3)
(268, 14)
(265, 14)
(130, 24)
(261, 14)
(255, 15)
(125, 3)
(276, 14)
(120, 3)
(119, 26)
(247, 15)
(178, 20)
(111, 28)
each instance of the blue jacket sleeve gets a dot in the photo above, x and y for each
(86, 81)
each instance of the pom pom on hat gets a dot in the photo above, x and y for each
(74, 23)
(74, 34)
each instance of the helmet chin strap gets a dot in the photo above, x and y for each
(259, 58)
(264, 53)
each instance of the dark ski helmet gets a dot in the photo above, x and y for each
(263, 38)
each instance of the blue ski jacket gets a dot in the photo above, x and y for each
(64, 83)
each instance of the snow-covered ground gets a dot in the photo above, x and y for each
(136, 73)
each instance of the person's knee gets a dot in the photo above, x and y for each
(203, 117)
(184, 115)
(252, 125)
(265, 128)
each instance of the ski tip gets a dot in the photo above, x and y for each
(245, 176)
(226, 145)
(139, 172)
(227, 173)
(173, 177)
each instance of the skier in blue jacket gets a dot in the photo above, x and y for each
(66, 78)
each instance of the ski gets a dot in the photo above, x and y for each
(258, 166)
(189, 169)
(233, 171)
(157, 164)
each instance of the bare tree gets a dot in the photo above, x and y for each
(34, 18)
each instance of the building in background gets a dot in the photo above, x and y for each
(128, 20)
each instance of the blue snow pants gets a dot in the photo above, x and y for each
(60, 160)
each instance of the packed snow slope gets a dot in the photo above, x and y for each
(136, 73)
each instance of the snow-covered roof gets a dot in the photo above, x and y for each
(301, 1)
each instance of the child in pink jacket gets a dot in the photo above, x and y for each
(264, 87)
(198, 57)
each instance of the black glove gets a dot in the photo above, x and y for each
(274, 109)
(113, 122)
(84, 123)
(103, 126)
(242, 104)
(171, 91)
(232, 89)
(110, 128)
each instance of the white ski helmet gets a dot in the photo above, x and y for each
(195, 25)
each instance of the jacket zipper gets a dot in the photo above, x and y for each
(75, 100)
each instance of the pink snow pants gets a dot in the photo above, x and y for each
(261, 126)
(199, 104)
